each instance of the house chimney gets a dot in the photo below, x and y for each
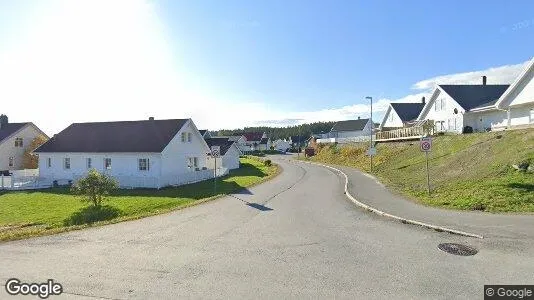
(423, 100)
(484, 79)
(151, 118)
(3, 121)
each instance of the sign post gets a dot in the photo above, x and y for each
(371, 152)
(426, 146)
(215, 153)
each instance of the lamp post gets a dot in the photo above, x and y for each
(372, 128)
(298, 145)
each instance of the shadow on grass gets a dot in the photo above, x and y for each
(524, 187)
(92, 214)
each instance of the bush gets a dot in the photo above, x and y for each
(267, 162)
(94, 187)
(92, 214)
(467, 129)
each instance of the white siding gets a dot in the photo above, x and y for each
(122, 165)
(8, 149)
(522, 115)
(480, 121)
(392, 119)
(524, 94)
(281, 145)
(445, 116)
(175, 156)
(230, 160)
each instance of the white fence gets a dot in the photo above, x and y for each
(35, 182)
(356, 139)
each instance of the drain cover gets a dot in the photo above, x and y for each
(457, 249)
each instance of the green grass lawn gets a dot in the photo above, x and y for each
(30, 213)
(468, 172)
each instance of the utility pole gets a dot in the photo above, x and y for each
(372, 129)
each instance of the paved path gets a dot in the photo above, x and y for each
(296, 236)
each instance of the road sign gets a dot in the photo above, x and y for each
(216, 151)
(371, 151)
(426, 144)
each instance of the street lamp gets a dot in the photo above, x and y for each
(371, 135)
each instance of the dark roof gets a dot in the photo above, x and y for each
(125, 136)
(10, 128)
(202, 132)
(350, 125)
(234, 138)
(408, 111)
(253, 136)
(223, 142)
(472, 96)
(264, 141)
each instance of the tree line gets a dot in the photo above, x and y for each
(304, 130)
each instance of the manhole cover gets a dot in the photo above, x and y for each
(457, 249)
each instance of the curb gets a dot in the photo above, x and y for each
(385, 214)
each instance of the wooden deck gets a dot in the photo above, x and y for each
(409, 133)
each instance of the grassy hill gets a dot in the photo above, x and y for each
(471, 171)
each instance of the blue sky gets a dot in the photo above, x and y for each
(231, 64)
(320, 54)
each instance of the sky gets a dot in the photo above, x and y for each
(230, 64)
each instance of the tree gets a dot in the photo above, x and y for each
(94, 187)
(29, 160)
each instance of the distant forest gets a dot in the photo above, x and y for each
(304, 130)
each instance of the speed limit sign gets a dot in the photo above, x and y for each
(426, 144)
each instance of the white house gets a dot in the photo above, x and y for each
(518, 100)
(281, 145)
(399, 115)
(257, 141)
(229, 153)
(240, 140)
(150, 153)
(453, 107)
(15, 138)
(348, 131)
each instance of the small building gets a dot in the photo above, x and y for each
(349, 131)
(281, 145)
(205, 133)
(401, 115)
(15, 138)
(229, 153)
(150, 153)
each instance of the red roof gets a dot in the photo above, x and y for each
(253, 136)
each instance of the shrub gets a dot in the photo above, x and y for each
(267, 162)
(94, 187)
(91, 214)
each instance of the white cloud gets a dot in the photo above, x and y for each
(98, 60)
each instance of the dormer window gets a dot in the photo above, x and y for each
(18, 142)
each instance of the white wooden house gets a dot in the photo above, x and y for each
(150, 153)
(454, 107)
(399, 115)
(15, 138)
(348, 131)
(229, 154)
(518, 100)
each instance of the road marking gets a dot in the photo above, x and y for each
(385, 214)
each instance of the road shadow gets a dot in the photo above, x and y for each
(251, 204)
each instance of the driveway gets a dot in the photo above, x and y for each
(296, 236)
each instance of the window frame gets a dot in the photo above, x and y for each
(11, 161)
(184, 137)
(49, 162)
(189, 137)
(66, 163)
(19, 142)
(146, 164)
(106, 167)
(89, 163)
(195, 162)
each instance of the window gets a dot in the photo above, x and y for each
(449, 124)
(11, 161)
(107, 163)
(144, 164)
(49, 162)
(18, 142)
(391, 116)
(195, 162)
(66, 163)
(436, 105)
(443, 102)
(184, 136)
(89, 163)
(189, 136)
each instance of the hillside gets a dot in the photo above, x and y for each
(471, 171)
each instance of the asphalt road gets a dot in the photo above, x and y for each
(296, 236)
